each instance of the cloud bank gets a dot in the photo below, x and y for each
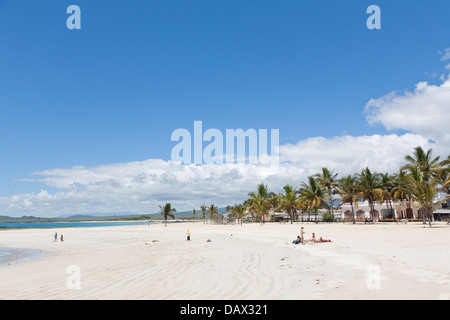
(140, 186)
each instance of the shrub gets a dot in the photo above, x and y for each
(328, 217)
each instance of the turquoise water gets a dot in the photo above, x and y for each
(85, 224)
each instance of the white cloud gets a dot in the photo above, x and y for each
(425, 111)
(445, 55)
(348, 154)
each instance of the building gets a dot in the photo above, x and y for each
(400, 210)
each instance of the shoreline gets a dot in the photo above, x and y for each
(240, 262)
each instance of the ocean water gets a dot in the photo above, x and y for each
(82, 224)
(9, 256)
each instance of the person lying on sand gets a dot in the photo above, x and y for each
(313, 240)
(297, 241)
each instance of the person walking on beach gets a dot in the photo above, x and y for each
(56, 237)
(188, 236)
(62, 238)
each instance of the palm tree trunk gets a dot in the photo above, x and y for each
(353, 212)
(331, 202)
(408, 206)
(430, 214)
(372, 209)
(392, 211)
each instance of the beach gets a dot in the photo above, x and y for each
(249, 262)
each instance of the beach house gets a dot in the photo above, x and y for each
(411, 211)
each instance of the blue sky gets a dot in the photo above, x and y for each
(114, 91)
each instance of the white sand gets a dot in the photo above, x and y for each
(382, 261)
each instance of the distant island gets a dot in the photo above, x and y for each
(99, 217)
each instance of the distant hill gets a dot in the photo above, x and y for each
(6, 219)
(101, 216)
(96, 215)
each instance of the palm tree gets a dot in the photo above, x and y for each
(387, 186)
(261, 201)
(369, 187)
(212, 211)
(261, 208)
(262, 192)
(248, 206)
(446, 184)
(426, 171)
(203, 208)
(348, 190)
(402, 190)
(423, 162)
(239, 211)
(445, 175)
(289, 201)
(167, 211)
(313, 194)
(303, 206)
(193, 215)
(327, 180)
(424, 193)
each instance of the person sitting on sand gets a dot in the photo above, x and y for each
(312, 240)
(297, 241)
